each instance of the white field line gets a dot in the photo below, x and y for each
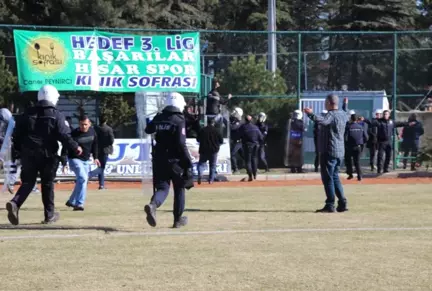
(213, 232)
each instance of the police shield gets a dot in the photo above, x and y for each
(293, 156)
(6, 153)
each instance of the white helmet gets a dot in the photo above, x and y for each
(5, 114)
(351, 112)
(298, 114)
(378, 111)
(324, 112)
(237, 112)
(175, 99)
(48, 93)
(262, 117)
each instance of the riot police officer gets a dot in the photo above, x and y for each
(36, 137)
(295, 152)
(172, 161)
(262, 126)
(355, 137)
(251, 138)
(235, 139)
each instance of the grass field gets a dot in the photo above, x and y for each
(237, 239)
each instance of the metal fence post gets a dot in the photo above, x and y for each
(299, 67)
(394, 100)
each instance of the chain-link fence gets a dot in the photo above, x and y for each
(398, 63)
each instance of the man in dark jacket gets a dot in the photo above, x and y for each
(192, 123)
(87, 138)
(251, 137)
(355, 138)
(235, 139)
(210, 140)
(411, 140)
(372, 143)
(214, 100)
(105, 136)
(385, 129)
(35, 138)
(172, 161)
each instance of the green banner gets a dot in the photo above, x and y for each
(107, 62)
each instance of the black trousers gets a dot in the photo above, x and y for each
(372, 153)
(317, 155)
(410, 147)
(32, 165)
(251, 153)
(384, 149)
(353, 156)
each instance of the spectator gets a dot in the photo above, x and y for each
(86, 137)
(214, 100)
(210, 140)
(332, 149)
(105, 136)
(192, 122)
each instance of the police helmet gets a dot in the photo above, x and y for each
(237, 113)
(262, 117)
(298, 114)
(175, 99)
(324, 112)
(351, 112)
(48, 93)
(379, 111)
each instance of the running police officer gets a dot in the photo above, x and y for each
(235, 139)
(355, 137)
(372, 142)
(36, 137)
(251, 138)
(172, 161)
(262, 126)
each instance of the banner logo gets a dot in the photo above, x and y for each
(46, 55)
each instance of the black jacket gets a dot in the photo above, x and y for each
(88, 141)
(263, 129)
(250, 134)
(192, 125)
(235, 126)
(210, 139)
(355, 134)
(40, 128)
(169, 127)
(214, 100)
(411, 134)
(385, 128)
(105, 136)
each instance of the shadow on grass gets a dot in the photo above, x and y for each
(243, 211)
(39, 226)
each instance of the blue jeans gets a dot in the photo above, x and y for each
(81, 169)
(100, 171)
(330, 178)
(212, 158)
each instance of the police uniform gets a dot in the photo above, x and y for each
(172, 162)
(262, 126)
(251, 138)
(385, 130)
(355, 137)
(36, 137)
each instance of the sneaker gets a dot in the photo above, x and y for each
(350, 177)
(181, 222)
(250, 179)
(11, 189)
(150, 210)
(326, 209)
(101, 187)
(386, 171)
(35, 190)
(12, 210)
(78, 208)
(359, 178)
(69, 204)
(53, 219)
(199, 180)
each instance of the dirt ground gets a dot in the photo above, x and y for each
(238, 184)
